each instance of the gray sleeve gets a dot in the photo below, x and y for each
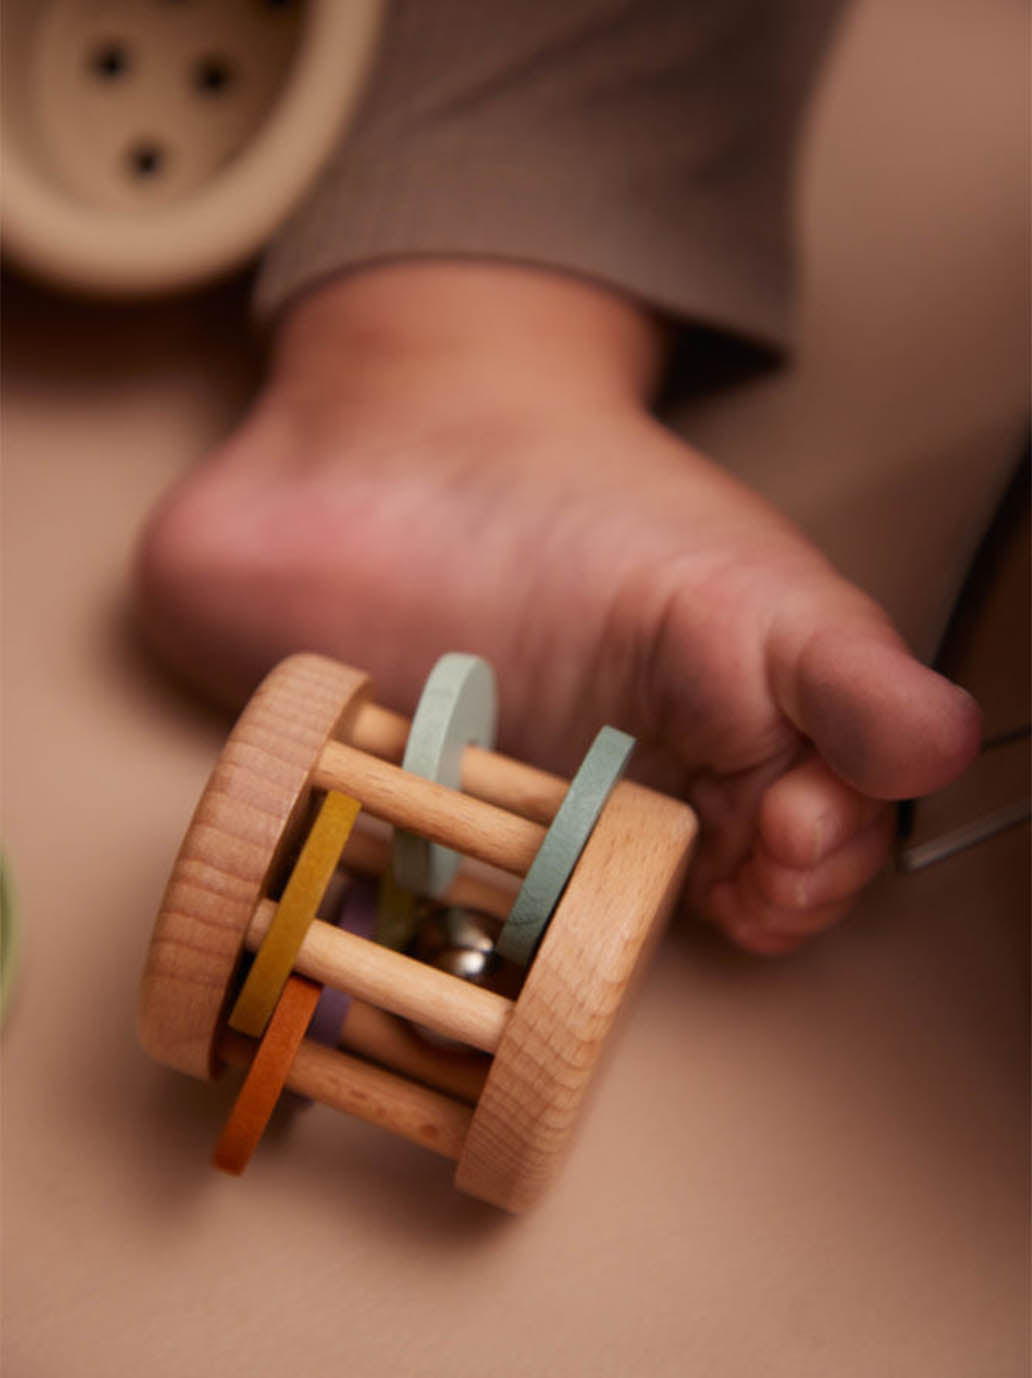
(644, 145)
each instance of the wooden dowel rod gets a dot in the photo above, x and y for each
(392, 981)
(512, 785)
(379, 731)
(381, 1037)
(345, 1083)
(471, 891)
(443, 815)
(366, 852)
(486, 775)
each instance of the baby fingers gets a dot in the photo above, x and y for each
(769, 907)
(836, 878)
(809, 813)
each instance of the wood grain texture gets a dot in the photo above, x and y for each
(254, 799)
(390, 980)
(486, 775)
(476, 886)
(345, 1083)
(288, 742)
(381, 1037)
(618, 897)
(266, 1076)
(443, 815)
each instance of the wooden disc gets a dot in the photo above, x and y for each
(615, 903)
(246, 818)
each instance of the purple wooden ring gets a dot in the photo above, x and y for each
(357, 914)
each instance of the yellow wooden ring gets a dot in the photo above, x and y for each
(396, 918)
(302, 896)
(266, 1075)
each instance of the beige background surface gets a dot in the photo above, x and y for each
(810, 1168)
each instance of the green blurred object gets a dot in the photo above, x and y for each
(8, 937)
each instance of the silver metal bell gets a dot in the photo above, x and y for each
(458, 941)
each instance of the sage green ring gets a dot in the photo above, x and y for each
(457, 708)
(566, 838)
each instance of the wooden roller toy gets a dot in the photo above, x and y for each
(464, 1003)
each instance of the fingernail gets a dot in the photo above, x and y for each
(825, 836)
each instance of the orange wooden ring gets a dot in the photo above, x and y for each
(267, 1075)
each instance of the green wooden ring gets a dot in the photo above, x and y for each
(458, 707)
(566, 838)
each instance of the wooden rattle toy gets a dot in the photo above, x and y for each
(523, 905)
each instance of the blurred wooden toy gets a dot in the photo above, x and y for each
(560, 891)
(149, 146)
